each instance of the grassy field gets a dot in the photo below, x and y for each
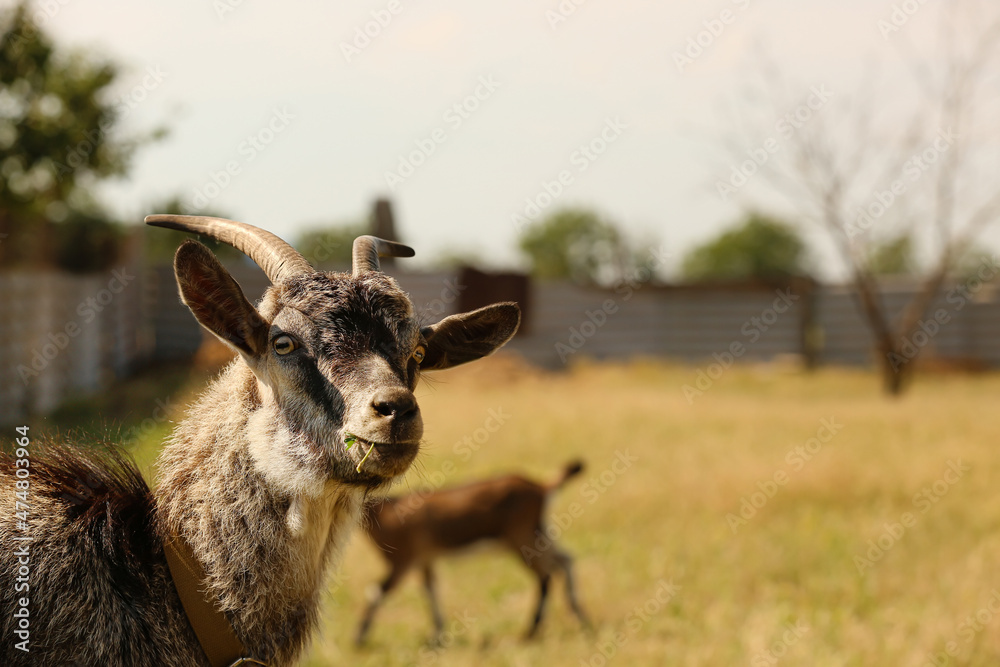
(779, 518)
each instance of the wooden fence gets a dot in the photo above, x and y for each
(62, 334)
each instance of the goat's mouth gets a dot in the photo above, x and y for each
(381, 459)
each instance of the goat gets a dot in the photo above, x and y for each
(264, 479)
(411, 531)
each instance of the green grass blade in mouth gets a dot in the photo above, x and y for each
(362, 462)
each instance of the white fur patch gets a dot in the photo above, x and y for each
(270, 444)
(295, 520)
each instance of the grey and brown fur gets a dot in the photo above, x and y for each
(412, 531)
(258, 478)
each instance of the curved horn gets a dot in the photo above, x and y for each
(279, 260)
(367, 250)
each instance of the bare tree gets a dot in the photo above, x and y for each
(867, 166)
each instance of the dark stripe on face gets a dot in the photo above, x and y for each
(320, 389)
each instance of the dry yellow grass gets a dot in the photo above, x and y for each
(663, 520)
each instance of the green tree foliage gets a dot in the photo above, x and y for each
(978, 264)
(761, 248)
(453, 259)
(579, 245)
(330, 245)
(893, 258)
(56, 140)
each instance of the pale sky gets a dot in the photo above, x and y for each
(218, 72)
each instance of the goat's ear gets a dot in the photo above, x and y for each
(217, 301)
(469, 336)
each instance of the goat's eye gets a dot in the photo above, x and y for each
(284, 344)
(418, 354)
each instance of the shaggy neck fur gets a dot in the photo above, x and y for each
(265, 530)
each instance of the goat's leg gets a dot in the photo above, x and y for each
(543, 593)
(539, 562)
(376, 599)
(429, 582)
(566, 563)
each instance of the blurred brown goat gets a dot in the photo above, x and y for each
(412, 530)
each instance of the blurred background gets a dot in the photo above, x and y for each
(752, 241)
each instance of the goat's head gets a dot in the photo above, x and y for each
(335, 356)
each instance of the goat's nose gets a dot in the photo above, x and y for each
(396, 403)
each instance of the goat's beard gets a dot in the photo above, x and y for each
(373, 464)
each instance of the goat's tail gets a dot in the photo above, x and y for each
(572, 469)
